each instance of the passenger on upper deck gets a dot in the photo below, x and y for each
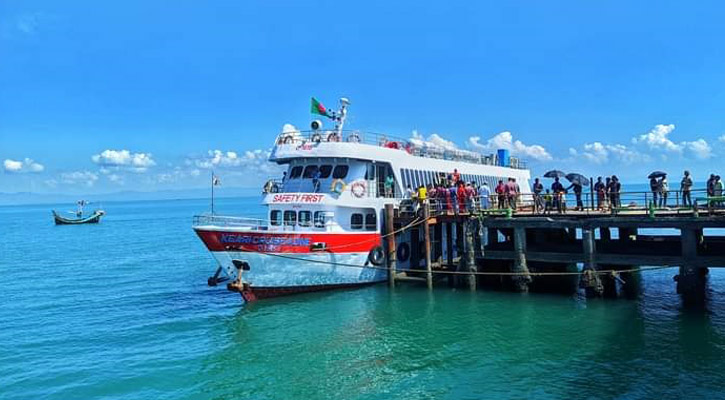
(389, 182)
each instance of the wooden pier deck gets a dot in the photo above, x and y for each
(521, 249)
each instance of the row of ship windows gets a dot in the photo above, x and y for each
(305, 219)
(415, 178)
(338, 172)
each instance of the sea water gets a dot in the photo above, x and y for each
(121, 310)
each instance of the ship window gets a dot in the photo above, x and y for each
(356, 221)
(322, 218)
(290, 218)
(309, 171)
(370, 222)
(340, 172)
(296, 172)
(275, 217)
(305, 218)
(325, 171)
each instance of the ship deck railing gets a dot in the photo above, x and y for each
(253, 224)
(413, 146)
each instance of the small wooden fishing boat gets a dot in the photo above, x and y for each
(80, 219)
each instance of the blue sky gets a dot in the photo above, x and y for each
(97, 97)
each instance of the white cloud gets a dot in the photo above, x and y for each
(721, 138)
(86, 178)
(434, 141)
(230, 159)
(504, 140)
(26, 165)
(656, 139)
(698, 149)
(137, 162)
(600, 153)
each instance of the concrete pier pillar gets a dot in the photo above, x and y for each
(426, 241)
(470, 229)
(590, 280)
(521, 282)
(391, 256)
(692, 278)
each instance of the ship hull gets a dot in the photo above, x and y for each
(283, 264)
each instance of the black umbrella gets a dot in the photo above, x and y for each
(657, 174)
(554, 174)
(579, 179)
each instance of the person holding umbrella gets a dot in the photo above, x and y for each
(578, 181)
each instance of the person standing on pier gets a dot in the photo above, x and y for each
(456, 177)
(462, 197)
(664, 191)
(685, 187)
(718, 189)
(614, 193)
(607, 190)
(601, 191)
(537, 188)
(655, 189)
(711, 186)
(470, 197)
(558, 189)
(577, 187)
(501, 194)
(454, 198)
(484, 195)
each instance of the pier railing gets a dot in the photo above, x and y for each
(414, 146)
(628, 203)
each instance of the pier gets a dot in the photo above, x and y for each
(602, 252)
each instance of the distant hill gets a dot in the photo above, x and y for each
(23, 198)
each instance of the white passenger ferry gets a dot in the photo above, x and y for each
(324, 218)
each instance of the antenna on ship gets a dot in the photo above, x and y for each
(341, 115)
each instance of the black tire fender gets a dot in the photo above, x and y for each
(376, 256)
(403, 252)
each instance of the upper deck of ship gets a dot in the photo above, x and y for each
(376, 147)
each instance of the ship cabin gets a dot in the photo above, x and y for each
(335, 182)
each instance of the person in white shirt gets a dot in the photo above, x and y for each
(484, 194)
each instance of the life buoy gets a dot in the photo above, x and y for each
(288, 139)
(338, 186)
(333, 137)
(392, 145)
(376, 256)
(316, 138)
(353, 138)
(358, 188)
(403, 252)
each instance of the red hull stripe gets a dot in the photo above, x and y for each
(288, 242)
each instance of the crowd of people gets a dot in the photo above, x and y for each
(454, 195)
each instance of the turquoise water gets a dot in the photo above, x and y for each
(121, 310)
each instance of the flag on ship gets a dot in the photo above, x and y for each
(318, 108)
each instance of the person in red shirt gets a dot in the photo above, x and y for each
(470, 197)
(462, 195)
(501, 194)
(456, 177)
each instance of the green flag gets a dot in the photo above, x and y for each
(318, 108)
